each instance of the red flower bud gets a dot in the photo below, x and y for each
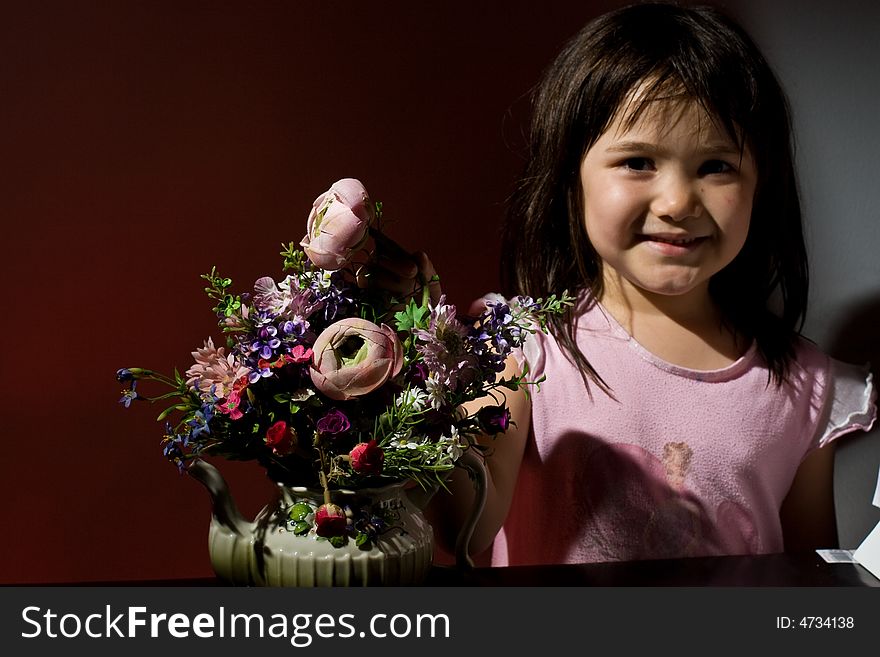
(367, 458)
(330, 521)
(279, 437)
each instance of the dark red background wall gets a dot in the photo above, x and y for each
(144, 142)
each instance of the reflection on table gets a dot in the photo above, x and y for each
(789, 569)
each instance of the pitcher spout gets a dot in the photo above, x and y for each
(225, 512)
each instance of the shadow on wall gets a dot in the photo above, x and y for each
(857, 456)
(856, 339)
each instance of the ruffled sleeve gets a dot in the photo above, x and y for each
(531, 354)
(853, 401)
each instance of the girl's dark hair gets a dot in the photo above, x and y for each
(692, 53)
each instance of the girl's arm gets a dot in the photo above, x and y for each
(448, 509)
(403, 274)
(808, 510)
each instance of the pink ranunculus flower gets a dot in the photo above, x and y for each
(338, 224)
(353, 357)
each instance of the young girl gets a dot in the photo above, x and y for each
(682, 413)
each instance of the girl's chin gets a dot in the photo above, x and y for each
(669, 287)
(651, 278)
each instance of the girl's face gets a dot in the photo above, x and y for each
(667, 202)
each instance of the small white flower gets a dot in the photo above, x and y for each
(288, 284)
(301, 395)
(436, 391)
(414, 399)
(454, 445)
(322, 279)
(400, 438)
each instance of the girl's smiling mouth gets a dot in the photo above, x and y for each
(672, 245)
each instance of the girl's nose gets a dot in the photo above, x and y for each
(676, 198)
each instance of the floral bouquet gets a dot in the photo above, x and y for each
(332, 385)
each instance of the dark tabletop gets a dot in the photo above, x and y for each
(780, 570)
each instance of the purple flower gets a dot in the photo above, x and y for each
(491, 363)
(335, 298)
(503, 331)
(173, 445)
(295, 331)
(335, 422)
(129, 395)
(259, 372)
(266, 342)
(445, 347)
(493, 419)
(496, 315)
(199, 422)
(417, 374)
(268, 297)
(293, 328)
(124, 374)
(527, 303)
(304, 301)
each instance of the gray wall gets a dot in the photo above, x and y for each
(827, 55)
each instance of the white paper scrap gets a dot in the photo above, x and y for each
(868, 553)
(877, 491)
(837, 556)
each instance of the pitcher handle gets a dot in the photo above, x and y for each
(223, 506)
(476, 469)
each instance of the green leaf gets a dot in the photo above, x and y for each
(301, 527)
(362, 540)
(338, 541)
(168, 411)
(294, 258)
(299, 511)
(412, 317)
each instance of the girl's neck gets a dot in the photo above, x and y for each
(686, 329)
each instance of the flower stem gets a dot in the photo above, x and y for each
(322, 474)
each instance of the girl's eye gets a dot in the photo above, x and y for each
(715, 166)
(638, 164)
